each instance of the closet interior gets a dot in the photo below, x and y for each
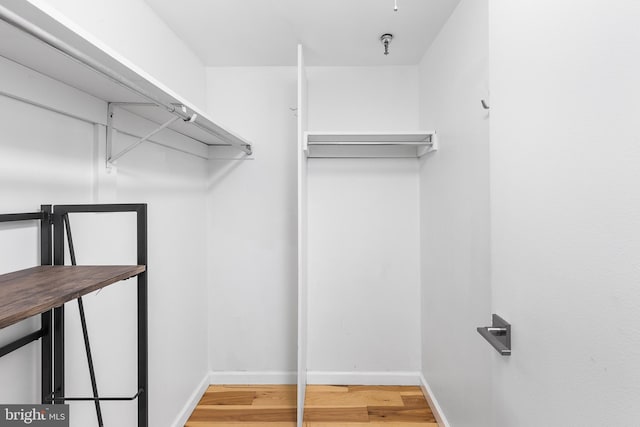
(297, 246)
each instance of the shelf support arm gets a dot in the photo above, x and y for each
(114, 157)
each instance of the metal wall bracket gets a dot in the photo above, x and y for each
(498, 335)
(112, 158)
(429, 148)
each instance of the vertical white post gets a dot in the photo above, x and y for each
(302, 237)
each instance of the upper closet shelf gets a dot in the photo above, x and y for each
(37, 40)
(369, 145)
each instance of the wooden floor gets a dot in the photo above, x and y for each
(367, 406)
(325, 406)
(246, 406)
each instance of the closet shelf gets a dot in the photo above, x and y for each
(369, 145)
(37, 40)
(33, 291)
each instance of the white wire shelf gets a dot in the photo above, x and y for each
(34, 39)
(369, 144)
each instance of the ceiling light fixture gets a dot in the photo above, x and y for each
(385, 39)
(395, 5)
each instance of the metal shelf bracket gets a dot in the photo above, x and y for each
(429, 148)
(498, 335)
(112, 158)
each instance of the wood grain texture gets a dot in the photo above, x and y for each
(325, 406)
(369, 424)
(384, 406)
(246, 406)
(239, 424)
(364, 398)
(33, 291)
(243, 413)
(337, 415)
(228, 398)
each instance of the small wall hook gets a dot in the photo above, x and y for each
(484, 104)
(385, 39)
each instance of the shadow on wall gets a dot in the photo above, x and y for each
(224, 160)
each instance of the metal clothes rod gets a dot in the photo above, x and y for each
(33, 30)
(38, 33)
(82, 119)
(366, 143)
(361, 157)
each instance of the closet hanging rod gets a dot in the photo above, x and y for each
(38, 33)
(91, 122)
(365, 143)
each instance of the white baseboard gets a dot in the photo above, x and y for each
(363, 378)
(230, 377)
(252, 377)
(191, 404)
(313, 377)
(433, 403)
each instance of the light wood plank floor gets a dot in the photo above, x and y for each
(367, 406)
(246, 406)
(325, 406)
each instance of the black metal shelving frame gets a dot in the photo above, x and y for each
(54, 223)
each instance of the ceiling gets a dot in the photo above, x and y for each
(333, 32)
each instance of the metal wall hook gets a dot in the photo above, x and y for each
(484, 103)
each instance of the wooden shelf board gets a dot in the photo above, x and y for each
(33, 291)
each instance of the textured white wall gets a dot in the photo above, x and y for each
(364, 312)
(49, 158)
(132, 29)
(454, 186)
(252, 225)
(566, 210)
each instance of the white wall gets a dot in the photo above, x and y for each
(363, 267)
(132, 29)
(49, 158)
(252, 227)
(565, 210)
(363, 257)
(454, 186)
(373, 99)
(34, 171)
